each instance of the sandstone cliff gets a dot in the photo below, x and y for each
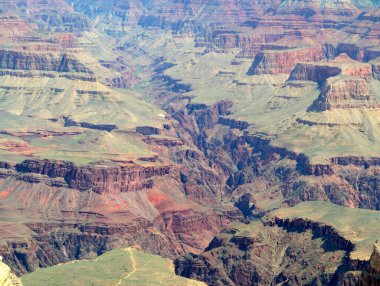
(283, 61)
(43, 61)
(320, 71)
(345, 92)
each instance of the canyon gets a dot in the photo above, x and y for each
(199, 131)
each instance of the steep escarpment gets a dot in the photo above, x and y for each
(345, 92)
(273, 250)
(254, 253)
(20, 60)
(66, 222)
(98, 178)
(125, 13)
(342, 65)
(283, 61)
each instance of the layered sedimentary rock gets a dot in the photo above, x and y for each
(98, 178)
(345, 92)
(342, 65)
(283, 61)
(12, 26)
(331, 235)
(325, 7)
(262, 254)
(85, 220)
(127, 12)
(167, 177)
(44, 61)
(367, 24)
(54, 15)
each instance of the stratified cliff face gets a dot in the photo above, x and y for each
(283, 61)
(341, 65)
(346, 92)
(125, 12)
(118, 206)
(98, 178)
(54, 15)
(19, 60)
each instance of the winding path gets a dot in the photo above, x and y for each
(134, 269)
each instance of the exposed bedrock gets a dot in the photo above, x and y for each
(70, 22)
(126, 12)
(353, 51)
(171, 235)
(250, 164)
(310, 8)
(43, 61)
(98, 178)
(357, 161)
(321, 230)
(291, 253)
(342, 65)
(345, 92)
(250, 44)
(283, 61)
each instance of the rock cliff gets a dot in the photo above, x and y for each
(346, 92)
(283, 61)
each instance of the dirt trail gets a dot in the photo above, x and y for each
(134, 269)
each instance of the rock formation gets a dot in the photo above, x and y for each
(283, 61)
(156, 124)
(345, 92)
(371, 276)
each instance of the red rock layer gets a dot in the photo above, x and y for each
(283, 61)
(346, 92)
(342, 65)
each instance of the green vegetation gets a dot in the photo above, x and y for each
(359, 226)
(117, 268)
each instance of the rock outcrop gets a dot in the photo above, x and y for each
(254, 253)
(283, 61)
(371, 277)
(98, 178)
(42, 61)
(345, 92)
(342, 65)
(311, 8)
